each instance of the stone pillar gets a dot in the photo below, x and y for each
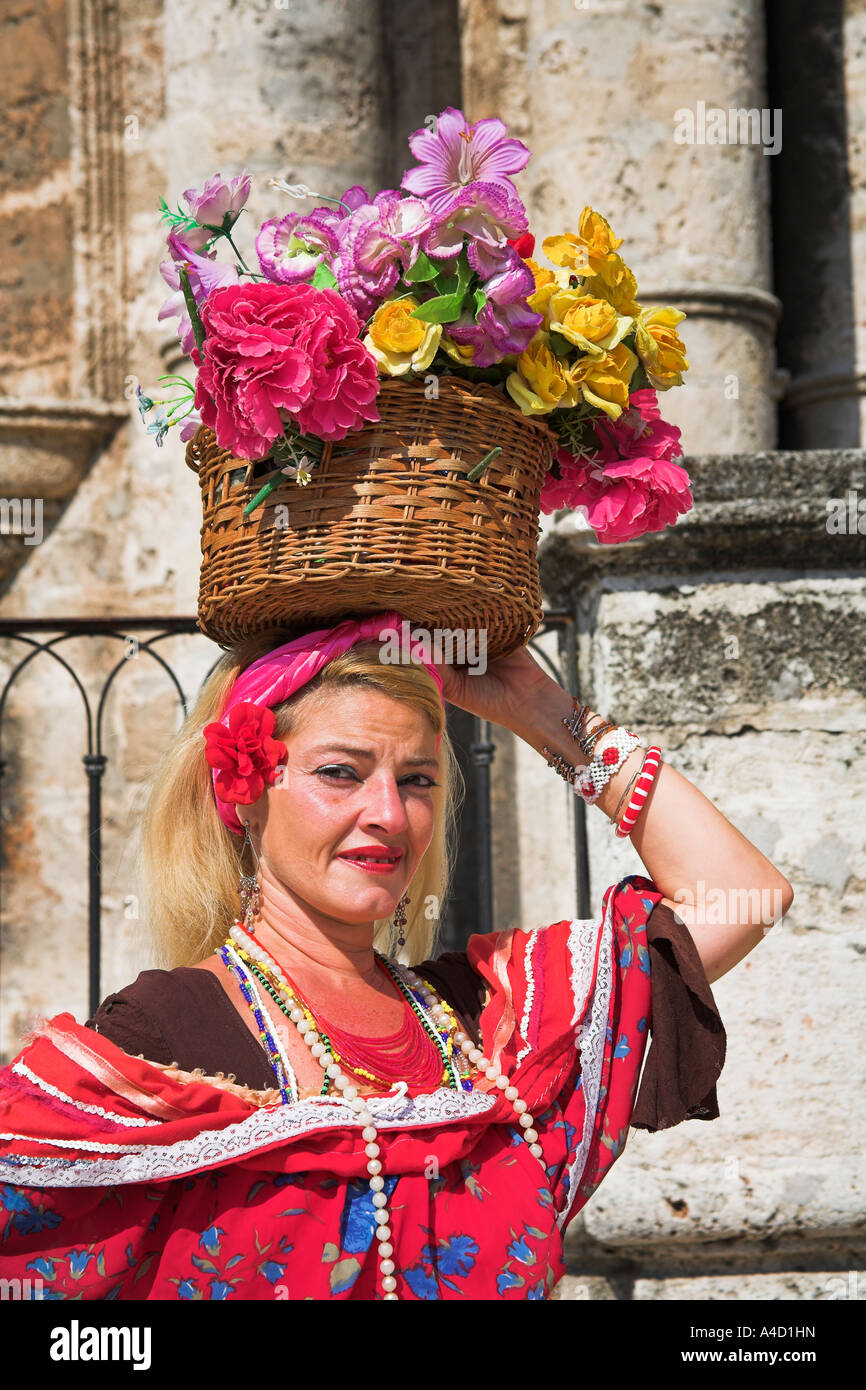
(818, 74)
(603, 98)
(61, 214)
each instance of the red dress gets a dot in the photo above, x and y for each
(119, 1179)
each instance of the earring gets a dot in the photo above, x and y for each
(400, 919)
(248, 887)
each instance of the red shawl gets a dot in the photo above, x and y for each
(121, 1178)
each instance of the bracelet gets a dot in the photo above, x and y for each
(576, 726)
(623, 797)
(646, 777)
(605, 727)
(606, 763)
(590, 781)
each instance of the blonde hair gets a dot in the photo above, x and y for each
(188, 858)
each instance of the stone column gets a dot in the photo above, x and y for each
(617, 103)
(818, 73)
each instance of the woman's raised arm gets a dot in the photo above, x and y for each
(721, 886)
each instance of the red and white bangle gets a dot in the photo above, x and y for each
(609, 756)
(645, 779)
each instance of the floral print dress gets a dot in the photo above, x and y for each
(121, 1178)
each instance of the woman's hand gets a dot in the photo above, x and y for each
(506, 687)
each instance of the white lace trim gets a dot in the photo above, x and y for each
(530, 995)
(590, 1035)
(133, 1121)
(148, 1163)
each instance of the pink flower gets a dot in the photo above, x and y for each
(272, 351)
(574, 486)
(218, 197)
(641, 495)
(630, 486)
(639, 432)
(190, 424)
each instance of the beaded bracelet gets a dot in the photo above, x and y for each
(590, 781)
(609, 757)
(645, 779)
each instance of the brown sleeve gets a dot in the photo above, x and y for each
(687, 1047)
(453, 977)
(183, 1016)
(122, 1019)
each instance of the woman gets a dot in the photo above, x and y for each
(286, 1111)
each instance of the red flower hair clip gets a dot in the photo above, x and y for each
(244, 755)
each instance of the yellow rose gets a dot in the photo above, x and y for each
(540, 301)
(592, 251)
(604, 381)
(659, 346)
(461, 352)
(540, 383)
(398, 342)
(588, 321)
(619, 288)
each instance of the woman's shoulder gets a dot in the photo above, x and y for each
(142, 1017)
(153, 990)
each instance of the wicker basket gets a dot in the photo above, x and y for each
(388, 521)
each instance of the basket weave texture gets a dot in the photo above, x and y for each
(388, 521)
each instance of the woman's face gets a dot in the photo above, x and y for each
(331, 800)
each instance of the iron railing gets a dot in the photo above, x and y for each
(475, 860)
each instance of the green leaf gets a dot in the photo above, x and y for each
(639, 379)
(192, 308)
(421, 269)
(448, 284)
(480, 467)
(480, 300)
(323, 278)
(559, 344)
(464, 271)
(445, 308)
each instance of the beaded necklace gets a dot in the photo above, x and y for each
(455, 1071)
(426, 1001)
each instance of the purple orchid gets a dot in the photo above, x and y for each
(205, 275)
(488, 218)
(211, 204)
(378, 241)
(457, 155)
(506, 325)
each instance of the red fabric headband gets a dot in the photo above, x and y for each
(239, 746)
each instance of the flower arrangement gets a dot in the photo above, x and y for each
(434, 277)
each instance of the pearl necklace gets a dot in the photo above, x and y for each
(439, 1018)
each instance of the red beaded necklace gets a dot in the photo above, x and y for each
(409, 1054)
